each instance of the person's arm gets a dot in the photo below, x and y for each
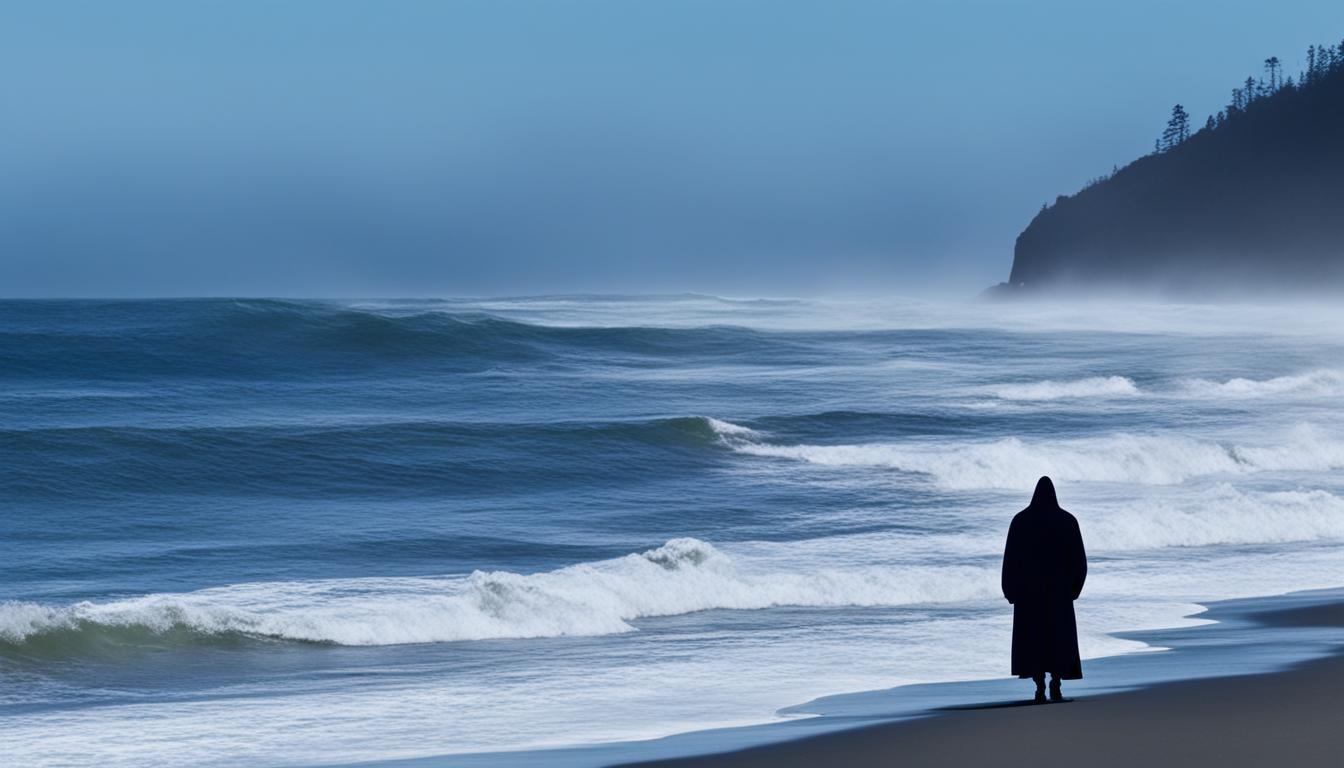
(1008, 579)
(1079, 561)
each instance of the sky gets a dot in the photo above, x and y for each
(506, 147)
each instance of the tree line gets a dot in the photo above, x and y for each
(1322, 61)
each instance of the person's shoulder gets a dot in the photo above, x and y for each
(1068, 515)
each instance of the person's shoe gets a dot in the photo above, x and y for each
(1040, 696)
(1055, 693)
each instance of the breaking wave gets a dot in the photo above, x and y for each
(1220, 515)
(1144, 459)
(604, 597)
(1311, 384)
(1096, 386)
(1319, 383)
(599, 598)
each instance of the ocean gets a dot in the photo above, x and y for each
(273, 532)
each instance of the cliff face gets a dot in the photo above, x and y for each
(1257, 202)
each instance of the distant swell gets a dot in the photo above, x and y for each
(1144, 459)
(300, 338)
(321, 460)
(599, 598)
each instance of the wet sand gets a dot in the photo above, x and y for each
(1291, 717)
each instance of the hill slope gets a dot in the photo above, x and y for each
(1256, 201)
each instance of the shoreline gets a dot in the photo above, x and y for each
(1240, 641)
(1288, 716)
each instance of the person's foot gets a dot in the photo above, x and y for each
(1055, 693)
(1040, 696)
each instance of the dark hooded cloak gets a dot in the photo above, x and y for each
(1044, 567)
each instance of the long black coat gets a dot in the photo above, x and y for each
(1044, 567)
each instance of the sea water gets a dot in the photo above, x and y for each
(314, 532)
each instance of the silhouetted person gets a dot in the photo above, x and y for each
(1044, 567)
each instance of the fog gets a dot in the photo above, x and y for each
(485, 148)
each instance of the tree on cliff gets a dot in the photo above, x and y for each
(1272, 69)
(1178, 129)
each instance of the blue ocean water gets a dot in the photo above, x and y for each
(317, 532)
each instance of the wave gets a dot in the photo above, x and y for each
(1318, 383)
(305, 431)
(333, 460)
(1325, 382)
(1217, 515)
(1144, 459)
(599, 598)
(1220, 515)
(683, 576)
(441, 335)
(1096, 386)
(256, 337)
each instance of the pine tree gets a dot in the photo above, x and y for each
(1209, 125)
(1272, 69)
(1177, 131)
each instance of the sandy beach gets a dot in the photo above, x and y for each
(1290, 717)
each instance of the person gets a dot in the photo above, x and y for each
(1044, 566)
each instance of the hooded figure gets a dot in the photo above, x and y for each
(1044, 567)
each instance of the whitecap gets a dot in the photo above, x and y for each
(599, 598)
(1092, 387)
(1015, 463)
(1325, 382)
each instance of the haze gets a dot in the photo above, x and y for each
(536, 146)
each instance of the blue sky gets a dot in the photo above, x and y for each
(538, 146)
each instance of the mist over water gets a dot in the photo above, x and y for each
(322, 532)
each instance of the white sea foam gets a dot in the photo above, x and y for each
(704, 680)
(1207, 516)
(1144, 459)
(729, 429)
(1318, 383)
(1325, 382)
(682, 576)
(1219, 515)
(1092, 387)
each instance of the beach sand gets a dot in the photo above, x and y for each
(1291, 717)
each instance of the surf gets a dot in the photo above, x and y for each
(586, 599)
(1154, 458)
